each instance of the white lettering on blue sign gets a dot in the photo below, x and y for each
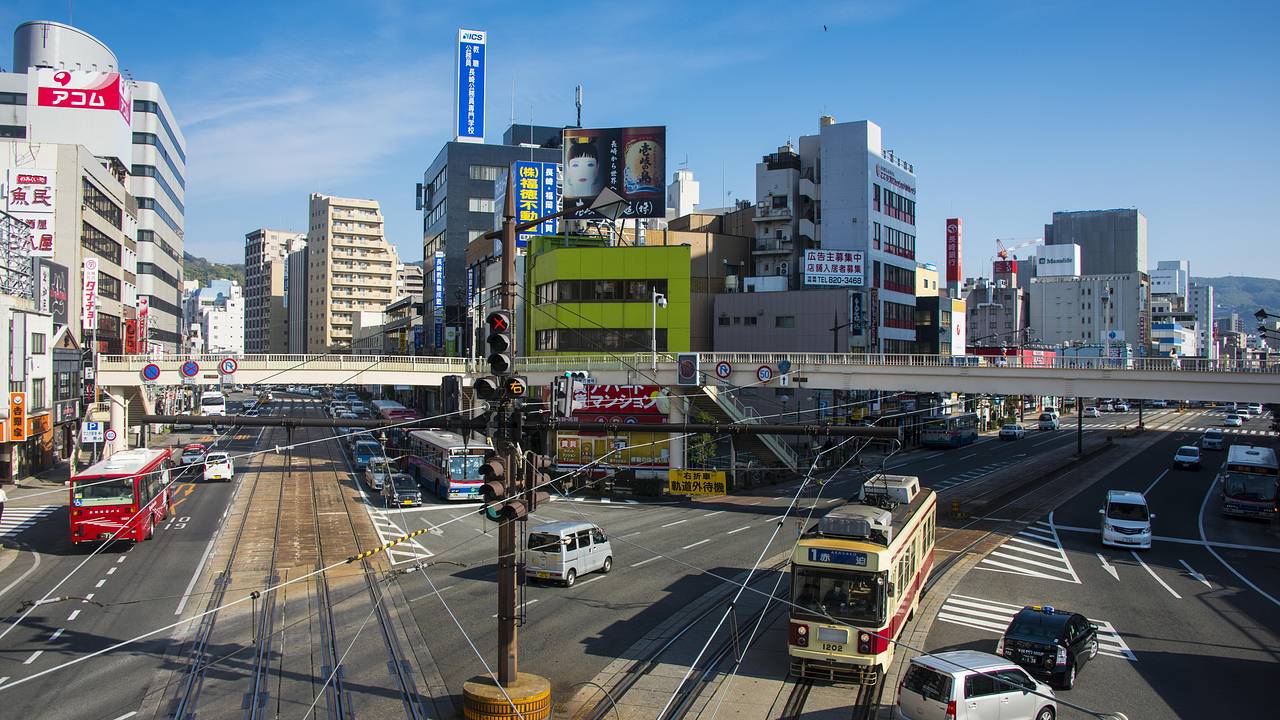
(470, 79)
(838, 557)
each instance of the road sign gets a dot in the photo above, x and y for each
(151, 372)
(516, 386)
(785, 380)
(110, 434)
(228, 366)
(764, 373)
(784, 366)
(723, 370)
(91, 432)
(190, 369)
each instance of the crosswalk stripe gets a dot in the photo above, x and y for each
(1015, 569)
(18, 519)
(1027, 561)
(1029, 551)
(1020, 541)
(994, 616)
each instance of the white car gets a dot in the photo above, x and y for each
(1187, 456)
(972, 685)
(1122, 406)
(218, 466)
(1107, 407)
(1244, 414)
(1213, 439)
(1092, 412)
(1012, 431)
(1126, 520)
(1255, 409)
(1048, 421)
(1233, 421)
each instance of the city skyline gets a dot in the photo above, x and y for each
(290, 123)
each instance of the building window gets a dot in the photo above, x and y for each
(37, 344)
(480, 205)
(485, 172)
(39, 400)
(150, 106)
(723, 321)
(779, 202)
(154, 141)
(108, 287)
(13, 132)
(600, 290)
(599, 339)
(750, 320)
(12, 98)
(150, 171)
(63, 386)
(784, 321)
(94, 239)
(101, 203)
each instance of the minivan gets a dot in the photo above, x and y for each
(972, 685)
(365, 452)
(1126, 520)
(1213, 439)
(562, 551)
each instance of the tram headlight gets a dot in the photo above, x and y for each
(864, 643)
(799, 635)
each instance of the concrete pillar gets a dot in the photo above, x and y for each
(676, 414)
(119, 413)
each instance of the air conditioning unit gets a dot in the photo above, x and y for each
(782, 267)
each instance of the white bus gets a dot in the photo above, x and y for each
(1250, 479)
(213, 402)
(447, 463)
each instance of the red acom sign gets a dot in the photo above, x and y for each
(91, 91)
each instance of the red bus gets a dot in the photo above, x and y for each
(392, 410)
(128, 492)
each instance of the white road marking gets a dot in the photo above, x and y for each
(1045, 550)
(33, 657)
(745, 527)
(700, 542)
(24, 575)
(966, 457)
(1183, 541)
(74, 614)
(755, 503)
(713, 513)
(3, 680)
(1195, 574)
(992, 616)
(111, 571)
(935, 467)
(1154, 482)
(56, 633)
(122, 557)
(527, 604)
(1153, 574)
(1108, 567)
(101, 582)
(645, 562)
(675, 523)
(127, 715)
(87, 598)
(1209, 547)
(208, 548)
(588, 582)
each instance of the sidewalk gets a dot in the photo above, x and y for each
(39, 485)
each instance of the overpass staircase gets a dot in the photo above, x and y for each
(724, 407)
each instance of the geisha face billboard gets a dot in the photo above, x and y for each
(628, 161)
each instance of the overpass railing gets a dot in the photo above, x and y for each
(348, 363)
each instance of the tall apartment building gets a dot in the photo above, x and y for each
(140, 141)
(409, 280)
(1111, 241)
(295, 297)
(266, 254)
(841, 190)
(215, 315)
(350, 268)
(1172, 277)
(1200, 301)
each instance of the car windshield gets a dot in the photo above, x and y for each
(1245, 486)
(544, 542)
(854, 597)
(216, 457)
(1127, 511)
(465, 467)
(1214, 434)
(404, 482)
(1189, 451)
(1046, 416)
(103, 492)
(1033, 627)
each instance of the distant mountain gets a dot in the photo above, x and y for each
(197, 268)
(1243, 295)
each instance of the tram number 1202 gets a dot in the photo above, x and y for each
(832, 647)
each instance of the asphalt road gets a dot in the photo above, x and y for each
(1184, 635)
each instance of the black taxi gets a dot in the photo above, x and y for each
(1050, 643)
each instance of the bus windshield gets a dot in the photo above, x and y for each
(853, 597)
(1250, 487)
(463, 468)
(103, 492)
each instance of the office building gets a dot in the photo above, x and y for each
(295, 297)
(350, 268)
(926, 280)
(840, 211)
(996, 312)
(940, 325)
(139, 142)
(409, 280)
(1171, 277)
(457, 202)
(1200, 301)
(215, 314)
(1092, 308)
(683, 194)
(1111, 241)
(266, 255)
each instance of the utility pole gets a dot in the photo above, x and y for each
(508, 661)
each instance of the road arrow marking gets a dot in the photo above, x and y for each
(1195, 574)
(1108, 567)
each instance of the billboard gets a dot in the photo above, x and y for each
(1004, 267)
(537, 195)
(437, 281)
(54, 290)
(959, 326)
(29, 197)
(80, 107)
(834, 268)
(469, 107)
(628, 161)
(89, 294)
(609, 403)
(1058, 261)
(955, 263)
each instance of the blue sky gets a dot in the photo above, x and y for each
(1009, 110)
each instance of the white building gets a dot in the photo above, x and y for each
(1171, 277)
(409, 280)
(1200, 301)
(138, 140)
(841, 191)
(1091, 309)
(214, 315)
(683, 194)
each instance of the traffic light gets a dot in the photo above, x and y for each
(537, 478)
(499, 341)
(486, 388)
(494, 489)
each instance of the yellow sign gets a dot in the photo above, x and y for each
(696, 482)
(516, 387)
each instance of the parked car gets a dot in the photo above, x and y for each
(1255, 409)
(1049, 421)
(1126, 520)
(1106, 407)
(1187, 456)
(1159, 404)
(193, 454)
(564, 550)
(1092, 412)
(1121, 406)
(1012, 431)
(971, 685)
(1213, 439)
(252, 412)
(1050, 643)
(1233, 421)
(218, 466)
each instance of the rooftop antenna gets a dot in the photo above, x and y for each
(513, 100)
(577, 100)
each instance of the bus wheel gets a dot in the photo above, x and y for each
(151, 528)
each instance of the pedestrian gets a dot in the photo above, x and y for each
(3, 498)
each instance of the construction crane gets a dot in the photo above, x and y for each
(1004, 249)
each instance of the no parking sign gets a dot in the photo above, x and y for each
(189, 370)
(228, 366)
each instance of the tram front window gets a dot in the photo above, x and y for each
(854, 597)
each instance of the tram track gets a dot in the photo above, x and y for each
(337, 699)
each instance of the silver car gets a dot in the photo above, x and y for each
(972, 685)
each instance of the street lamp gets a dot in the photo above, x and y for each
(658, 299)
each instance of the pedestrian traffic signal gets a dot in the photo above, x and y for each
(499, 341)
(494, 489)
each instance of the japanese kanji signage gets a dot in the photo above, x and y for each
(437, 280)
(144, 322)
(696, 482)
(593, 400)
(955, 266)
(537, 195)
(29, 197)
(628, 161)
(839, 268)
(470, 80)
(89, 294)
(81, 107)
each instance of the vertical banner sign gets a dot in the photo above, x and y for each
(144, 322)
(29, 197)
(17, 416)
(44, 292)
(955, 271)
(855, 314)
(875, 320)
(54, 290)
(470, 81)
(89, 294)
(537, 195)
(130, 337)
(437, 277)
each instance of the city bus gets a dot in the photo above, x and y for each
(1250, 479)
(392, 410)
(856, 578)
(950, 431)
(213, 402)
(128, 492)
(446, 463)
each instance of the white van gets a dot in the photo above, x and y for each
(564, 550)
(1126, 520)
(218, 466)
